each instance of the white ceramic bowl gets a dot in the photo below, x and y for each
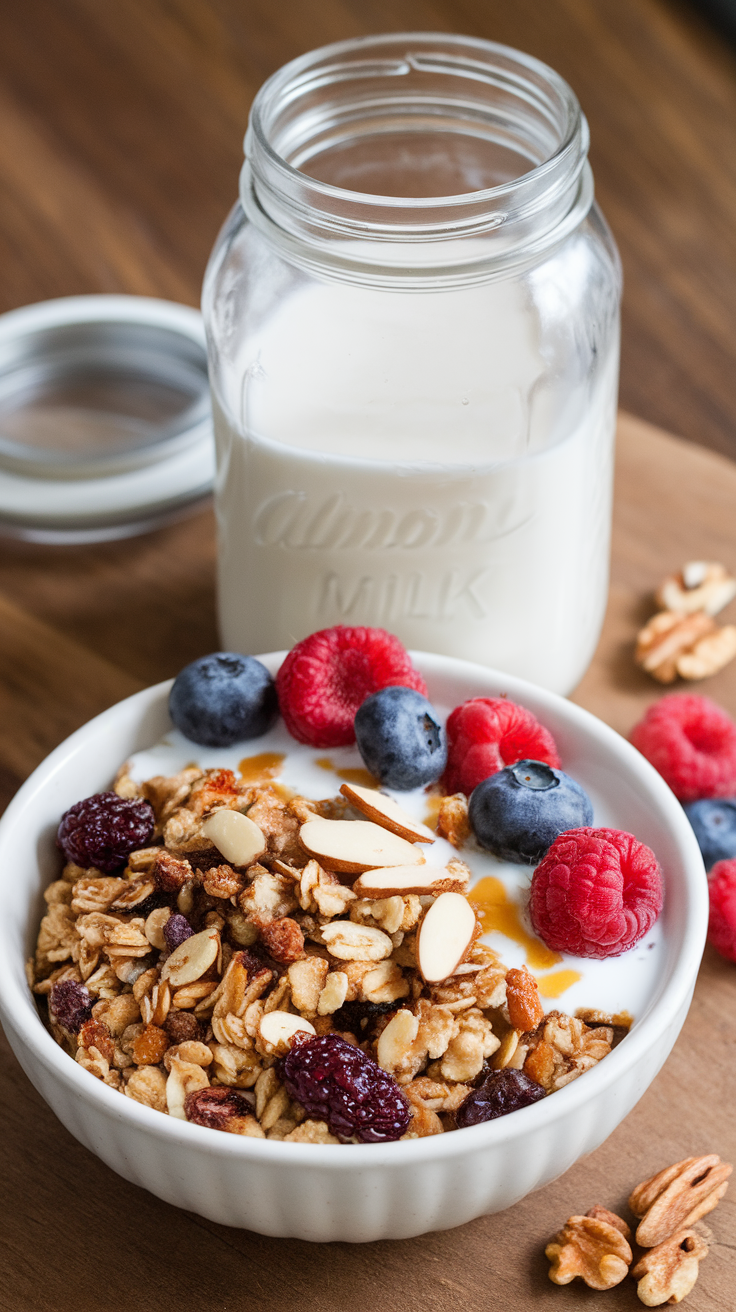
(357, 1192)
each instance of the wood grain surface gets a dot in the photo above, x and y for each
(123, 123)
(119, 152)
(78, 631)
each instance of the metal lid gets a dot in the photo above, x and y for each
(105, 421)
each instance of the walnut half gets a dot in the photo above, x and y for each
(594, 1247)
(678, 1197)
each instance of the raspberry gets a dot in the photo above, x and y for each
(487, 733)
(327, 676)
(722, 923)
(596, 893)
(103, 830)
(500, 1093)
(692, 742)
(339, 1083)
(70, 1004)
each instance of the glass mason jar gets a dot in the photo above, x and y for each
(413, 322)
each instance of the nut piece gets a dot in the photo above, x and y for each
(387, 813)
(700, 585)
(192, 958)
(353, 846)
(401, 881)
(590, 1247)
(667, 1273)
(709, 655)
(445, 936)
(238, 838)
(677, 1197)
(522, 997)
(277, 1029)
(667, 637)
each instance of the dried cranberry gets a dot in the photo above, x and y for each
(70, 1004)
(177, 930)
(502, 1092)
(339, 1083)
(215, 1107)
(359, 1017)
(103, 830)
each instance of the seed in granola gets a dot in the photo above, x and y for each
(103, 830)
(502, 1092)
(177, 930)
(216, 1107)
(340, 1084)
(70, 1004)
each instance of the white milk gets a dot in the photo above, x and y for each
(626, 983)
(418, 464)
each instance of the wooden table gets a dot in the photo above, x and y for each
(118, 159)
(80, 1239)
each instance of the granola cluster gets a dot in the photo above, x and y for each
(183, 980)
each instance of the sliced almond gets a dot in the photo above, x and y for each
(402, 880)
(387, 813)
(445, 936)
(277, 1029)
(353, 846)
(238, 838)
(192, 958)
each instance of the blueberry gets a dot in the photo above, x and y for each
(518, 812)
(223, 699)
(400, 738)
(714, 822)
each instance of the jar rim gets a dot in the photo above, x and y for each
(293, 79)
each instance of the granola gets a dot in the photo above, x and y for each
(187, 976)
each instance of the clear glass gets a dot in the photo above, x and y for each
(413, 323)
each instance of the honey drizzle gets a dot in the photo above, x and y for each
(350, 774)
(262, 768)
(551, 986)
(497, 912)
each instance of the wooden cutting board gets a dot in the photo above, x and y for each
(81, 628)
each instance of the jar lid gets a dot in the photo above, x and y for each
(105, 419)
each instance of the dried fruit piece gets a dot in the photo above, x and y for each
(216, 1108)
(386, 812)
(445, 935)
(596, 893)
(501, 1092)
(70, 1004)
(401, 881)
(340, 1084)
(678, 1196)
(487, 733)
(237, 837)
(592, 1248)
(103, 830)
(327, 676)
(283, 939)
(176, 931)
(353, 846)
(667, 1273)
